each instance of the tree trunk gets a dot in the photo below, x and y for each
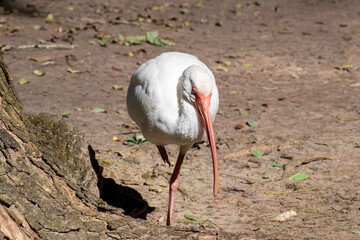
(51, 185)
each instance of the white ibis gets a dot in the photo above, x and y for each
(173, 98)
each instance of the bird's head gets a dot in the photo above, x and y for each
(196, 81)
(197, 89)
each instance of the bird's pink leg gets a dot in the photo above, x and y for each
(163, 154)
(174, 182)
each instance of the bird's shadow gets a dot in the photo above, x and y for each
(117, 195)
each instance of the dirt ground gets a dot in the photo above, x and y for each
(290, 66)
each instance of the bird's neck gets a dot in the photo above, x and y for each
(189, 123)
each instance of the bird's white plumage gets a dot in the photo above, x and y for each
(157, 98)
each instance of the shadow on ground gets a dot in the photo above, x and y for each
(117, 195)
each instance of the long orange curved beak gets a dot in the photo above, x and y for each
(203, 105)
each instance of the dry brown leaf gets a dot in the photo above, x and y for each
(41, 59)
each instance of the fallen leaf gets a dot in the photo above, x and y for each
(118, 87)
(50, 18)
(226, 62)
(6, 48)
(98, 110)
(244, 113)
(134, 40)
(137, 138)
(65, 114)
(36, 27)
(238, 126)
(275, 8)
(41, 59)
(193, 218)
(355, 232)
(184, 11)
(270, 88)
(121, 112)
(151, 36)
(115, 138)
(346, 37)
(219, 68)
(275, 164)
(155, 189)
(266, 175)
(252, 123)
(38, 73)
(253, 4)
(116, 69)
(248, 65)
(348, 118)
(70, 70)
(257, 153)
(23, 81)
(284, 216)
(48, 63)
(345, 67)
(336, 208)
(256, 228)
(299, 176)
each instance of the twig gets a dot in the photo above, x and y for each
(290, 166)
(46, 46)
(205, 221)
(293, 191)
(263, 148)
(309, 211)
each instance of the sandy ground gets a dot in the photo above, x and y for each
(290, 66)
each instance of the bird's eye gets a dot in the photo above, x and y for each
(193, 91)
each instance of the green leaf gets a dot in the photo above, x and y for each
(275, 164)
(65, 114)
(118, 87)
(193, 218)
(155, 189)
(119, 38)
(6, 48)
(129, 143)
(253, 4)
(136, 139)
(248, 65)
(23, 81)
(137, 39)
(48, 63)
(98, 110)
(256, 228)
(70, 70)
(184, 11)
(252, 123)
(151, 36)
(102, 42)
(355, 231)
(121, 112)
(345, 67)
(257, 153)
(299, 176)
(184, 170)
(266, 175)
(336, 208)
(167, 42)
(38, 73)
(244, 113)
